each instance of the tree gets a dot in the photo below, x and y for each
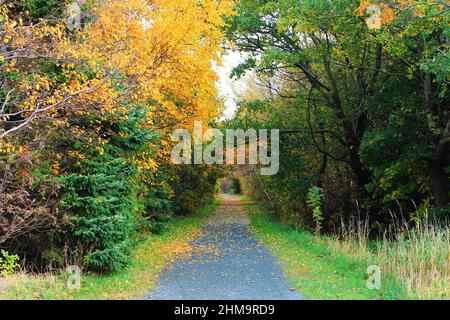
(97, 117)
(372, 100)
(327, 56)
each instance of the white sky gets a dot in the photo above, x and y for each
(230, 90)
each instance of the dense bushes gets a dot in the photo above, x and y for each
(29, 198)
(8, 263)
(194, 186)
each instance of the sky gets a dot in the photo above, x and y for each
(230, 89)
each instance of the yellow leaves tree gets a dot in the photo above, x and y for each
(154, 53)
(165, 48)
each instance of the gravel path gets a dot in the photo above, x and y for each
(227, 263)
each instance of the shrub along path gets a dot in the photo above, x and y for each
(227, 262)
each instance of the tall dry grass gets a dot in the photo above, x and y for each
(416, 258)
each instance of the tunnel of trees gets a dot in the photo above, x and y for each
(85, 125)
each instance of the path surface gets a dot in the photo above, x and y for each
(227, 263)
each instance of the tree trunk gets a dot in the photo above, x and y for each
(362, 175)
(440, 185)
(439, 178)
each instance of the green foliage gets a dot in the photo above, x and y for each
(314, 202)
(101, 197)
(235, 187)
(397, 162)
(41, 8)
(157, 209)
(194, 187)
(350, 102)
(284, 193)
(8, 263)
(100, 201)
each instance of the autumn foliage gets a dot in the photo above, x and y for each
(85, 115)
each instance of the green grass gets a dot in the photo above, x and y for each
(313, 269)
(150, 256)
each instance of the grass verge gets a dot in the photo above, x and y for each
(149, 258)
(314, 268)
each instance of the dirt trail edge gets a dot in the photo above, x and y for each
(227, 263)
